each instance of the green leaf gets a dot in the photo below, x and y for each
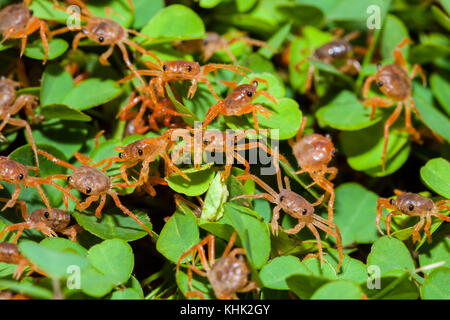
(441, 17)
(113, 258)
(437, 250)
(44, 9)
(436, 285)
(286, 118)
(274, 274)
(441, 90)
(339, 290)
(119, 11)
(252, 231)
(53, 262)
(63, 245)
(67, 136)
(349, 10)
(178, 235)
(432, 117)
(393, 285)
(114, 224)
(436, 176)
(245, 5)
(145, 10)
(174, 23)
(27, 288)
(390, 254)
(366, 154)
(126, 294)
(209, 3)
(355, 213)
(90, 93)
(301, 14)
(394, 31)
(216, 196)
(346, 112)
(56, 84)
(36, 49)
(95, 283)
(199, 184)
(304, 285)
(63, 112)
(276, 41)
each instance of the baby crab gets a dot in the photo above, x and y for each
(14, 172)
(228, 275)
(145, 151)
(17, 22)
(179, 70)
(92, 182)
(48, 222)
(333, 51)
(164, 109)
(393, 80)
(297, 207)
(239, 102)
(9, 253)
(10, 106)
(106, 32)
(313, 153)
(214, 42)
(412, 204)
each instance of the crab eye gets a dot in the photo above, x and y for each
(46, 214)
(140, 152)
(333, 54)
(21, 176)
(121, 155)
(255, 83)
(16, 88)
(249, 93)
(282, 198)
(378, 65)
(411, 207)
(380, 83)
(164, 67)
(69, 178)
(304, 211)
(334, 152)
(189, 68)
(101, 39)
(391, 201)
(31, 12)
(88, 190)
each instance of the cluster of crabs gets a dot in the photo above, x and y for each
(313, 152)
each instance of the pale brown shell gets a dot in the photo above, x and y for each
(143, 149)
(394, 82)
(239, 98)
(105, 31)
(180, 69)
(313, 151)
(413, 204)
(89, 181)
(57, 219)
(8, 89)
(15, 15)
(9, 253)
(332, 51)
(294, 204)
(228, 275)
(12, 171)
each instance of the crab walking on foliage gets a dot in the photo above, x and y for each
(228, 275)
(412, 204)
